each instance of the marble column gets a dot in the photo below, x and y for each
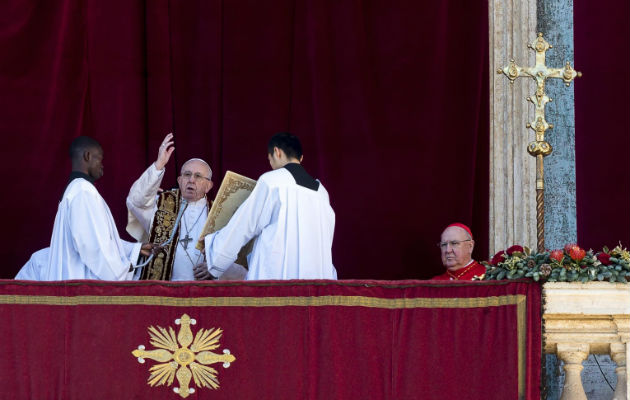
(618, 355)
(555, 21)
(623, 330)
(512, 211)
(573, 354)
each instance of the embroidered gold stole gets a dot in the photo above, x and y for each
(161, 267)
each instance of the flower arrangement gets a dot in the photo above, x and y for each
(570, 264)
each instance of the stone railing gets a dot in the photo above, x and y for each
(590, 318)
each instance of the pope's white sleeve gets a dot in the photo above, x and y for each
(142, 201)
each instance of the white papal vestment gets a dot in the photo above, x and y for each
(85, 243)
(294, 227)
(142, 206)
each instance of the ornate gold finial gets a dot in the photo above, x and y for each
(178, 360)
(540, 148)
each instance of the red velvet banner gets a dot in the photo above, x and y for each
(286, 340)
(376, 90)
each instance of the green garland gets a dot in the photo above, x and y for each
(572, 264)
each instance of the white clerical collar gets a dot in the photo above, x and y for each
(199, 203)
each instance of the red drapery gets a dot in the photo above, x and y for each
(296, 339)
(390, 100)
(602, 122)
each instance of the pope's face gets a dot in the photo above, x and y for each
(456, 248)
(194, 181)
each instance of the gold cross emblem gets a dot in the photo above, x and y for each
(540, 147)
(183, 357)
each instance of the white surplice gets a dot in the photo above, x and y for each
(85, 243)
(294, 227)
(32, 270)
(142, 206)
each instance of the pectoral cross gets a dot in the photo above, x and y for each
(540, 148)
(187, 239)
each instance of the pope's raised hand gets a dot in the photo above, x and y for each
(165, 151)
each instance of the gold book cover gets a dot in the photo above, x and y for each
(232, 193)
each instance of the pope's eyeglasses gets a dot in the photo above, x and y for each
(196, 176)
(454, 244)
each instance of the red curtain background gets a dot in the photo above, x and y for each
(602, 122)
(389, 99)
(292, 340)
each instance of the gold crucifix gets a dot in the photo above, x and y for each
(540, 148)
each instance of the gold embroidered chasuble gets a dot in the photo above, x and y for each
(161, 267)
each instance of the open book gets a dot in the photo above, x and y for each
(232, 193)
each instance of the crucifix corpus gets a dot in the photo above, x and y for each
(185, 241)
(540, 148)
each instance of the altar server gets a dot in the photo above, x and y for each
(289, 214)
(85, 243)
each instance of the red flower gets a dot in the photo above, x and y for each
(498, 258)
(577, 253)
(557, 255)
(513, 249)
(568, 247)
(604, 258)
